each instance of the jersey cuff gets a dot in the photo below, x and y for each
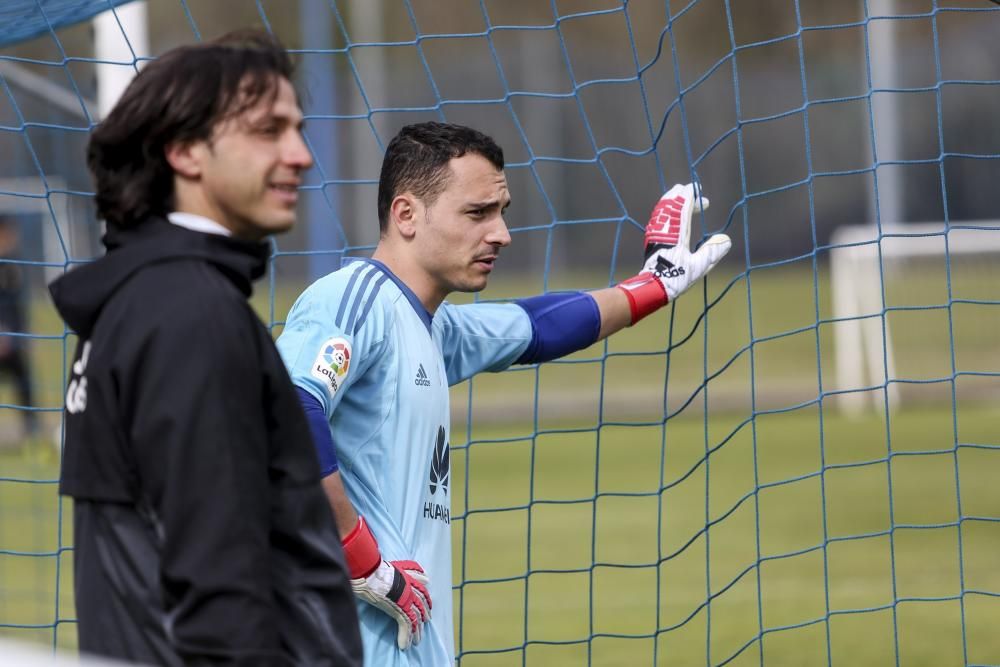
(320, 429)
(561, 323)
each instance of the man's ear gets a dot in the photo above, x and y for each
(185, 158)
(405, 212)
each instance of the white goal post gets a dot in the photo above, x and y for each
(860, 257)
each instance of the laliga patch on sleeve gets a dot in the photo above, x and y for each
(332, 364)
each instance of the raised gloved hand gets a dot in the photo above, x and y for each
(670, 266)
(399, 588)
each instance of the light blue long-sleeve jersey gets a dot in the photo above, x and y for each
(360, 342)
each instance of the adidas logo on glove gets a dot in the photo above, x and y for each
(667, 269)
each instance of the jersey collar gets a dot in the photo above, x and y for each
(198, 223)
(418, 307)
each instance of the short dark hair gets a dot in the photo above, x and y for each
(179, 97)
(416, 161)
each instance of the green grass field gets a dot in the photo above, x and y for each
(602, 534)
(582, 545)
(756, 523)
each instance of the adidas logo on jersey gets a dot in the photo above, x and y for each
(422, 380)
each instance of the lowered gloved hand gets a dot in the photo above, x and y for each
(399, 588)
(671, 267)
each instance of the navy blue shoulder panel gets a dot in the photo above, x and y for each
(350, 295)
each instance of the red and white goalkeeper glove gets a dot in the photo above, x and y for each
(670, 266)
(398, 588)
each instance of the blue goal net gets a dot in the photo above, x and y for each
(790, 465)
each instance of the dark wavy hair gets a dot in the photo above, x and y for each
(416, 161)
(179, 97)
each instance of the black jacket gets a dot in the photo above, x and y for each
(202, 533)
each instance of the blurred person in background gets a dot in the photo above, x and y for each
(202, 534)
(14, 359)
(374, 347)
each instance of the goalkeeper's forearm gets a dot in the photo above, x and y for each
(343, 510)
(615, 311)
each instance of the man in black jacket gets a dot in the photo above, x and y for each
(202, 533)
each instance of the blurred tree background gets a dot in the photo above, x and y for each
(600, 105)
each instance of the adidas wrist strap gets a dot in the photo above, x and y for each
(646, 294)
(361, 551)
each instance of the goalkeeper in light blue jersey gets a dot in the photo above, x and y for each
(374, 347)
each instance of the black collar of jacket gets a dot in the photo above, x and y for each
(245, 261)
(80, 293)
